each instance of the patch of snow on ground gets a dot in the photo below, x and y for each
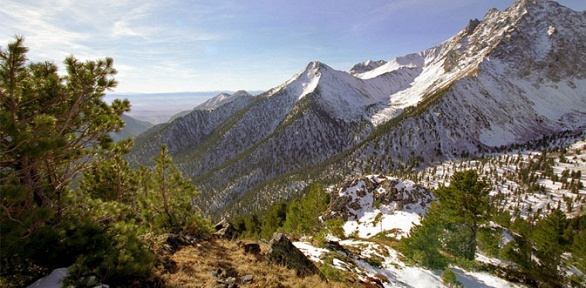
(313, 253)
(401, 275)
(368, 218)
(366, 226)
(480, 279)
(501, 170)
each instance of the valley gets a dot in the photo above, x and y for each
(486, 88)
(461, 165)
(501, 98)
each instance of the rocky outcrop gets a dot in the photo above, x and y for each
(225, 230)
(178, 241)
(225, 280)
(52, 280)
(283, 252)
(377, 192)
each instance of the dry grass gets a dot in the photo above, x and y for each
(196, 264)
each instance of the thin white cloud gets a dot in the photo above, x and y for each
(226, 44)
(133, 20)
(122, 29)
(42, 31)
(380, 14)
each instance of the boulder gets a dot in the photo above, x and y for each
(251, 248)
(283, 252)
(246, 279)
(340, 203)
(178, 241)
(52, 280)
(224, 229)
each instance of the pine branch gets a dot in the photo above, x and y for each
(8, 214)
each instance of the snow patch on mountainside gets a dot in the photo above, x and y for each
(366, 66)
(501, 172)
(410, 60)
(379, 221)
(305, 81)
(377, 203)
(392, 272)
(552, 104)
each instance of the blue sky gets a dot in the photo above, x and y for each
(173, 46)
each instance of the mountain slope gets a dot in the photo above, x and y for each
(513, 77)
(132, 128)
(512, 92)
(188, 131)
(471, 108)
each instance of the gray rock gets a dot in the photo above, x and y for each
(52, 280)
(246, 279)
(340, 203)
(225, 230)
(216, 273)
(252, 248)
(283, 252)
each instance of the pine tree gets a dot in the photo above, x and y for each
(550, 240)
(449, 279)
(578, 249)
(253, 225)
(274, 219)
(111, 180)
(52, 128)
(166, 201)
(303, 214)
(451, 224)
(294, 216)
(466, 206)
(424, 243)
(520, 250)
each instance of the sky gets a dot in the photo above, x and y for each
(228, 45)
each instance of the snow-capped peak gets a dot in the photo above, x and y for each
(221, 99)
(409, 60)
(303, 82)
(366, 66)
(379, 91)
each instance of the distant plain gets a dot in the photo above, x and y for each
(158, 108)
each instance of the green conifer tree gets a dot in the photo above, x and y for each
(451, 224)
(111, 180)
(52, 129)
(303, 214)
(424, 243)
(466, 206)
(274, 219)
(167, 201)
(550, 243)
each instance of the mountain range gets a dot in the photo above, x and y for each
(513, 77)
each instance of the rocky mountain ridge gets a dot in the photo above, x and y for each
(510, 78)
(132, 128)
